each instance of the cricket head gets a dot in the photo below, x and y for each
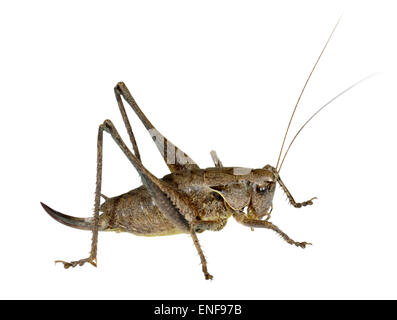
(246, 188)
(262, 186)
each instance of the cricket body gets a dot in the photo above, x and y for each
(189, 200)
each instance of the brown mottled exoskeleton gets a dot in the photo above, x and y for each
(188, 200)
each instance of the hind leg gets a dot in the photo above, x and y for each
(92, 258)
(162, 195)
(174, 157)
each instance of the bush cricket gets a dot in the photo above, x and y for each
(188, 200)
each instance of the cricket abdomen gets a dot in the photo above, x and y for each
(135, 212)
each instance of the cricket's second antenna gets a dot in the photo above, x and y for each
(318, 111)
(303, 89)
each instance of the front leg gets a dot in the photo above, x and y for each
(291, 198)
(253, 223)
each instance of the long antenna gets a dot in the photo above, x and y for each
(333, 99)
(304, 87)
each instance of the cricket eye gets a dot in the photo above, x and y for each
(262, 189)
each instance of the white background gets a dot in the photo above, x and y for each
(220, 75)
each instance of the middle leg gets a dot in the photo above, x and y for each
(160, 194)
(201, 254)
